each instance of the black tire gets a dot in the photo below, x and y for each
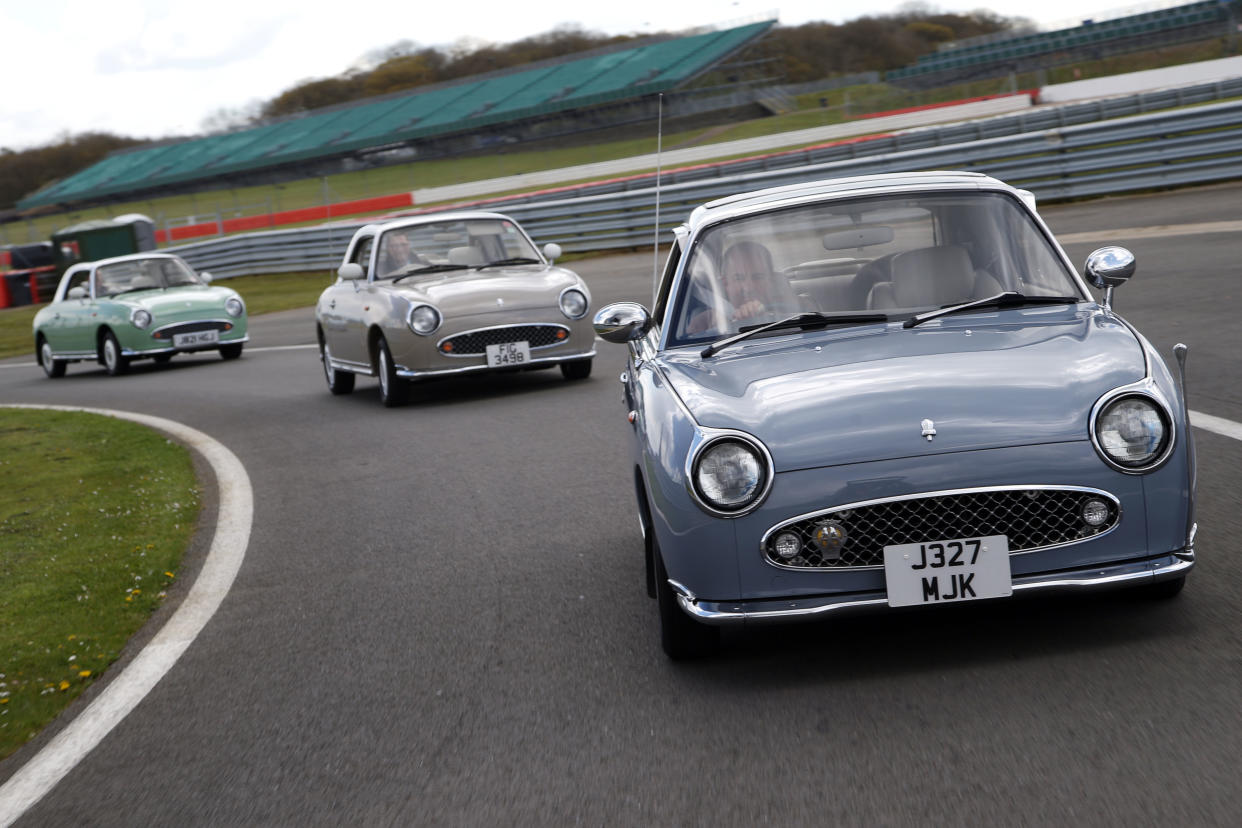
(682, 637)
(339, 382)
(162, 359)
(114, 361)
(1161, 590)
(232, 350)
(54, 368)
(394, 390)
(579, 369)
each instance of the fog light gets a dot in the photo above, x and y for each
(1095, 512)
(788, 545)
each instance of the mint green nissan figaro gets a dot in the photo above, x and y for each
(146, 305)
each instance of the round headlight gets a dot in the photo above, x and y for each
(234, 307)
(1132, 432)
(730, 475)
(423, 319)
(573, 303)
(141, 318)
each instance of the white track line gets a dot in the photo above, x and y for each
(123, 693)
(1216, 425)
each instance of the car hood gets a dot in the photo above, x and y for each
(860, 394)
(476, 291)
(175, 301)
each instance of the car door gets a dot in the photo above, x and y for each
(344, 328)
(75, 318)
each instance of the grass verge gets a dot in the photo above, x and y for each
(95, 514)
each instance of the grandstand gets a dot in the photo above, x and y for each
(602, 88)
(994, 55)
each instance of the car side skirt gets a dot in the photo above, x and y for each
(730, 613)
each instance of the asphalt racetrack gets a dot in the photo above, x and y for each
(441, 620)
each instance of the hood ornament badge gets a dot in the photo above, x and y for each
(929, 429)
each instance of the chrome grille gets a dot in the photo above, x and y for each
(169, 331)
(473, 343)
(1032, 518)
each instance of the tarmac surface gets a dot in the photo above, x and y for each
(441, 618)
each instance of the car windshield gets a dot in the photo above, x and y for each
(895, 255)
(143, 274)
(451, 245)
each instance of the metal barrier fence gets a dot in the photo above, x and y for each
(1057, 161)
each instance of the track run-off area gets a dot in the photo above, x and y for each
(440, 616)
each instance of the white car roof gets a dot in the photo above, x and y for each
(776, 197)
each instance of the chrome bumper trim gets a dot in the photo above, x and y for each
(725, 613)
(132, 354)
(406, 373)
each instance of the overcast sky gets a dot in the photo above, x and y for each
(152, 69)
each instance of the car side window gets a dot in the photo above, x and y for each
(79, 279)
(362, 254)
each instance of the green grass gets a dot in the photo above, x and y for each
(95, 514)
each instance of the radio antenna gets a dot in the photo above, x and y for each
(655, 247)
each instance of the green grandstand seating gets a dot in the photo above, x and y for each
(625, 73)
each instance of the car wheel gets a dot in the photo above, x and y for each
(681, 636)
(114, 361)
(52, 367)
(162, 359)
(579, 369)
(393, 389)
(1161, 590)
(231, 351)
(339, 382)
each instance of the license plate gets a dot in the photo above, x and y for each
(187, 340)
(508, 353)
(947, 571)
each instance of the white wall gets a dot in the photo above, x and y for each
(1184, 75)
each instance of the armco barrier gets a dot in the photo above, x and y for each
(1121, 155)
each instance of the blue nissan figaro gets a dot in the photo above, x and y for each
(893, 391)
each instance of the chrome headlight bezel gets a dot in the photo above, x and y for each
(1144, 393)
(424, 329)
(703, 449)
(234, 306)
(140, 318)
(568, 294)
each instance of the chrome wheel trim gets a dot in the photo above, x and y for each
(46, 356)
(328, 371)
(110, 353)
(383, 369)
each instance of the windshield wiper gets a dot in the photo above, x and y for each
(1008, 299)
(435, 268)
(516, 260)
(810, 319)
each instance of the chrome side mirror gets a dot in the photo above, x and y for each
(206, 277)
(77, 292)
(1108, 268)
(351, 272)
(622, 322)
(552, 251)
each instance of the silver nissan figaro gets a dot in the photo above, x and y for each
(448, 294)
(893, 391)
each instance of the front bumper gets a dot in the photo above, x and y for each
(1130, 573)
(134, 353)
(411, 374)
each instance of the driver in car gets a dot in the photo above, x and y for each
(753, 292)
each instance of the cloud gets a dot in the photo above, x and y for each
(158, 49)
